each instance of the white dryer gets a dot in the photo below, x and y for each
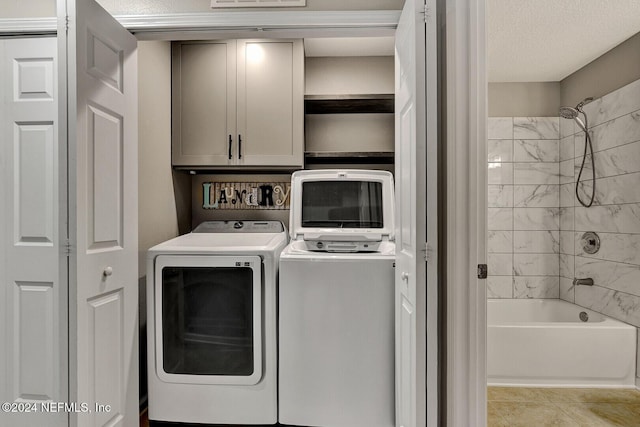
(336, 301)
(211, 304)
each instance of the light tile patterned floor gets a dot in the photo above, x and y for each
(533, 407)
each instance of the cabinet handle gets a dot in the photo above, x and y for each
(230, 154)
(239, 146)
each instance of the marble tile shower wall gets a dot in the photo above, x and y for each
(524, 207)
(615, 215)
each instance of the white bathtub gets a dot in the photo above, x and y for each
(540, 342)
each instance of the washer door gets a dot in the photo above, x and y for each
(208, 313)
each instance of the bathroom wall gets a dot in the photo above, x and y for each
(523, 213)
(524, 99)
(614, 121)
(607, 73)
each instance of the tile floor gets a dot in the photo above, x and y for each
(533, 407)
(537, 407)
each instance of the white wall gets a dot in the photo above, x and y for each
(349, 75)
(27, 8)
(158, 220)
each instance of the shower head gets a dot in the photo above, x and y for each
(568, 112)
(573, 113)
(583, 103)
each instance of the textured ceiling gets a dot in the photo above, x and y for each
(546, 40)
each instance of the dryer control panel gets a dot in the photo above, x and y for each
(240, 227)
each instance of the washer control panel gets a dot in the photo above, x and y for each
(239, 226)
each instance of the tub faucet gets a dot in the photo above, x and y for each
(586, 282)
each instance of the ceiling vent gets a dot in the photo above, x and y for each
(257, 3)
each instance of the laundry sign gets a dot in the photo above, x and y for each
(245, 195)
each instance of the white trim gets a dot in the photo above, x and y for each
(428, 331)
(172, 25)
(260, 20)
(179, 26)
(66, 217)
(26, 26)
(258, 3)
(466, 212)
(638, 383)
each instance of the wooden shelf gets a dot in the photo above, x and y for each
(348, 104)
(323, 157)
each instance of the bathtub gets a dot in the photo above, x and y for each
(543, 342)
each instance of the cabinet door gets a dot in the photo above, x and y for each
(204, 103)
(270, 102)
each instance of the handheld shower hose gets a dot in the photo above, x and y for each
(573, 113)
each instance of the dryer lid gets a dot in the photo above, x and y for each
(342, 205)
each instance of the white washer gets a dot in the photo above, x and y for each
(212, 349)
(336, 301)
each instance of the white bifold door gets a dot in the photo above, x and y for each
(33, 329)
(68, 224)
(416, 222)
(101, 66)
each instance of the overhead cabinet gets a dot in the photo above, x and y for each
(238, 103)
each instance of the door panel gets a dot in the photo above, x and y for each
(104, 62)
(204, 103)
(34, 321)
(270, 102)
(33, 314)
(34, 189)
(102, 126)
(104, 173)
(106, 314)
(411, 280)
(266, 73)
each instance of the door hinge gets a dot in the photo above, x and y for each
(427, 12)
(482, 271)
(425, 251)
(66, 247)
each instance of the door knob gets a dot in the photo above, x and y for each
(107, 272)
(404, 276)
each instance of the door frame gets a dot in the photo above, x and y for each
(463, 146)
(466, 211)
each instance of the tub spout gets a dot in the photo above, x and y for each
(586, 282)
